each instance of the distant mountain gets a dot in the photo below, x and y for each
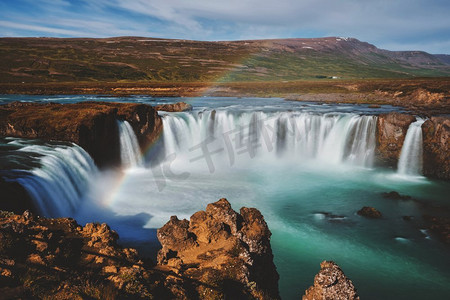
(149, 59)
(445, 58)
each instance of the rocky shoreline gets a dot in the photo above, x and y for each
(218, 254)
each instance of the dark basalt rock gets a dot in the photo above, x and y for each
(332, 217)
(396, 196)
(331, 283)
(175, 107)
(369, 212)
(440, 226)
(223, 249)
(391, 133)
(91, 125)
(407, 218)
(436, 145)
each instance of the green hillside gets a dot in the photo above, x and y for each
(142, 59)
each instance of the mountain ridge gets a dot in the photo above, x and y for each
(174, 60)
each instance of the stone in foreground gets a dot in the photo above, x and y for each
(227, 252)
(331, 284)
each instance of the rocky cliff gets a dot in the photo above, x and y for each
(218, 254)
(91, 125)
(391, 132)
(223, 249)
(436, 147)
(331, 283)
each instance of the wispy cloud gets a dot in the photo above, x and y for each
(424, 23)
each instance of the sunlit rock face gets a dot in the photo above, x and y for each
(331, 283)
(224, 249)
(218, 254)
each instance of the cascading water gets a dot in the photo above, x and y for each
(61, 181)
(328, 138)
(410, 162)
(130, 152)
(291, 179)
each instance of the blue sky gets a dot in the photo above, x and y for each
(389, 24)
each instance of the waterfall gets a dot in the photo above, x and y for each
(58, 185)
(130, 152)
(410, 162)
(238, 136)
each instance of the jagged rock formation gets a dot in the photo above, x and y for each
(218, 254)
(436, 145)
(331, 284)
(91, 125)
(226, 250)
(175, 107)
(391, 133)
(59, 259)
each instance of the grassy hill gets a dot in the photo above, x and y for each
(136, 59)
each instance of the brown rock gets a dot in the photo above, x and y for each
(436, 147)
(369, 212)
(58, 259)
(218, 254)
(331, 283)
(175, 107)
(91, 125)
(222, 249)
(391, 133)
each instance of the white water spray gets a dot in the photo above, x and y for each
(233, 136)
(410, 162)
(60, 183)
(130, 152)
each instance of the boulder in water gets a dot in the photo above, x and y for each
(369, 212)
(396, 196)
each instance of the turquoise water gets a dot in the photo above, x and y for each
(309, 202)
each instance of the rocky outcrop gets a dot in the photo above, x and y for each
(369, 212)
(436, 145)
(218, 254)
(331, 283)
(227, 251)
(59, 259)
(175, 107)
(391, 133)
(91, 125)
